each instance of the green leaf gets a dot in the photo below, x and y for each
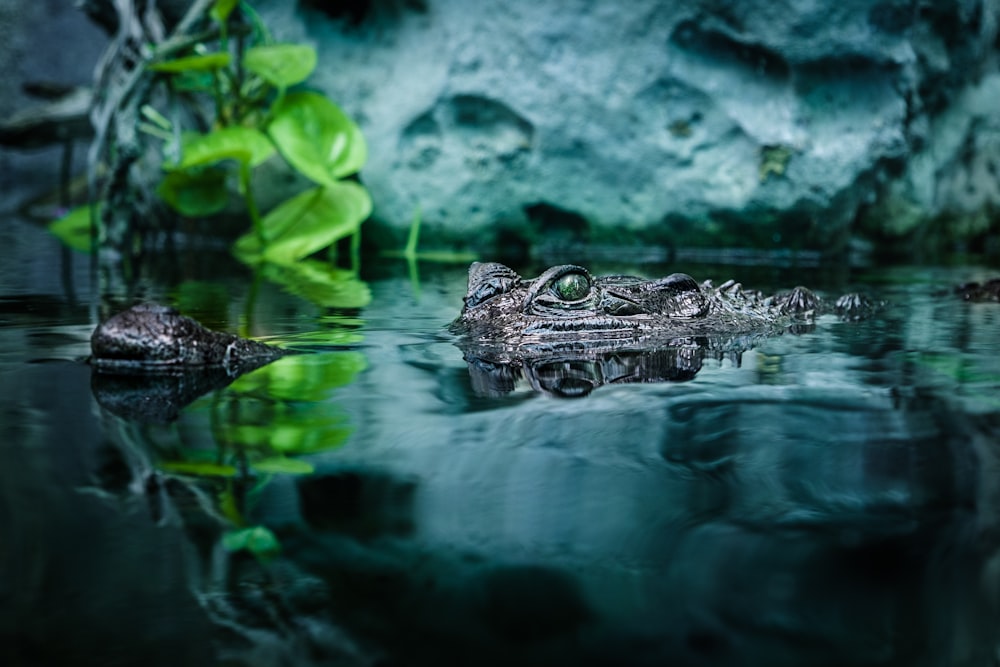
(335, 213)
(194, 82)
(283, 465)
(195, 194)
(73, 229)
(229, 506)
(317, 138)
(222, 9)
(308, 222)
(281, 65)
(263, 542)
(198, 468)
(243, 144)
(236, 540)
(258, 540)
(208, 61)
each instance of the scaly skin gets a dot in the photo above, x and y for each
(565, 304)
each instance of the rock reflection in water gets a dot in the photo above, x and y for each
(155, 397)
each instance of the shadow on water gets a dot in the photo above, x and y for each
(824, 499)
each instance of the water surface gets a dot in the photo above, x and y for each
(825, 498)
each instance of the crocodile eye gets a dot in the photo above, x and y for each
(560, 291)
(572, 287)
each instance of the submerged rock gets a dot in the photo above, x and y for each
(151, 361)
(152, 337)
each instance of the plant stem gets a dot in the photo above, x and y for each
(410, 251)
(245, 184)
(220, 105)
(356, 250)
(248, 312)
(194, 13)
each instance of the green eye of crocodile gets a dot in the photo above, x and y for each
(572, 287)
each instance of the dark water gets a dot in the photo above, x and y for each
(826, 498)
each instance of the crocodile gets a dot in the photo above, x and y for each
(567, 332)
(566, 304)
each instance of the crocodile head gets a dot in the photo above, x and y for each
(568, 302)
(567, 331)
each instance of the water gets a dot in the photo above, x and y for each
(828, 498)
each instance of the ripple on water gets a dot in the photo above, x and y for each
(829, 497)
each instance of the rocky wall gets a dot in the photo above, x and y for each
(768, 123)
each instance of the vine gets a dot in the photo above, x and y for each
(204, 108)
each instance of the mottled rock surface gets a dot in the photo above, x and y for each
(149, 336)
(35, 58)
(689, 123)
(150, 361)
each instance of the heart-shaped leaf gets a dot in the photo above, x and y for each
(308, 222)
(195, 194)
(281, 65)
(258, 540)
(243, 144)
(73, 229)
(317, 138)
(222, 9)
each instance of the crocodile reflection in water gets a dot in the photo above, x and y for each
(574, 375)
(567, 331)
